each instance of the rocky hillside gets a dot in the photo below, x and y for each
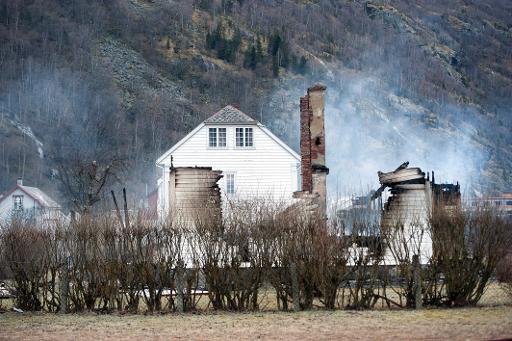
(428, 81)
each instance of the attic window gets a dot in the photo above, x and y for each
(18, 202)
(244, 137)
(216, 137)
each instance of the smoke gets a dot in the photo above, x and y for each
(369, 129)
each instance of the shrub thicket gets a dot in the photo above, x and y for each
(258, 247)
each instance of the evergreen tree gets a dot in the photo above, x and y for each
(250, 59)
(274, 44)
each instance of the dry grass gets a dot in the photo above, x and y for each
(491, 320)
(469, 323)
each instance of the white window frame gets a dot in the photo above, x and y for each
(217, 131)
(245, 136)
(18, 206)
(226, 176)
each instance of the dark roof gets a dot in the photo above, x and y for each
(230, 115)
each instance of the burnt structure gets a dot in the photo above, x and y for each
(413, 198)
(194, 194)
(312, 149)
(446, 196)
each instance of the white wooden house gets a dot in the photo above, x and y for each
(254, 162)
(30, 204)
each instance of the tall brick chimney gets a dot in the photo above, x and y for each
(305, 145)
(312, 147)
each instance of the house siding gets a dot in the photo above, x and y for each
(33, 211)
(7, 205)
(266, 170)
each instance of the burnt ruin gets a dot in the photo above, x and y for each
(312, 150)
(413, 197)
(194, 193)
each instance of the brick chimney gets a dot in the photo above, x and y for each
(305, 145)
(312, 146)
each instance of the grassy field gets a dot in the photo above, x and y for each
(491, 320)
(474, 323)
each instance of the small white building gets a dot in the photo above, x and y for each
(254, 162)
(29, 203)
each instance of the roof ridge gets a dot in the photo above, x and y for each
(40, 196)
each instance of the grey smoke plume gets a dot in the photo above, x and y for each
(370, 128)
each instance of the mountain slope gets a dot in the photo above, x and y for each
(428, 81)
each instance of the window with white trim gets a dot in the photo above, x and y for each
(230, 183)
(18, 202)
(217, 137)
(244, 137)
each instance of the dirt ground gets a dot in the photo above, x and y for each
(491, 320)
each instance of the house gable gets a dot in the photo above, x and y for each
(279, 141)
(34, 193)
(162, 159)
(263, 168)
(227, 116)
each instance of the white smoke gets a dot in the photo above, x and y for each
(369, 129)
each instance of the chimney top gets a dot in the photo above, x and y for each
(19, 181)
(236, 105)
(317, 87)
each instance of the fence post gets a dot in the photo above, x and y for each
(179, 286)
(64, 285)
(418, 298)
(295, 287)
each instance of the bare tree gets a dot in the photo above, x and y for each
(84, 182)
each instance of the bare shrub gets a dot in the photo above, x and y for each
(404, 241)
(504, 272)
(294, 246)
(314, 251)
(365, 255)
(466, 249)
(139, 263)
(504, 267)
(23, 248)
(54, 259)
(330, 263)
(230, 254)
(85, 246)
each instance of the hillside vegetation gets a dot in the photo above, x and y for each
(126, 79)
